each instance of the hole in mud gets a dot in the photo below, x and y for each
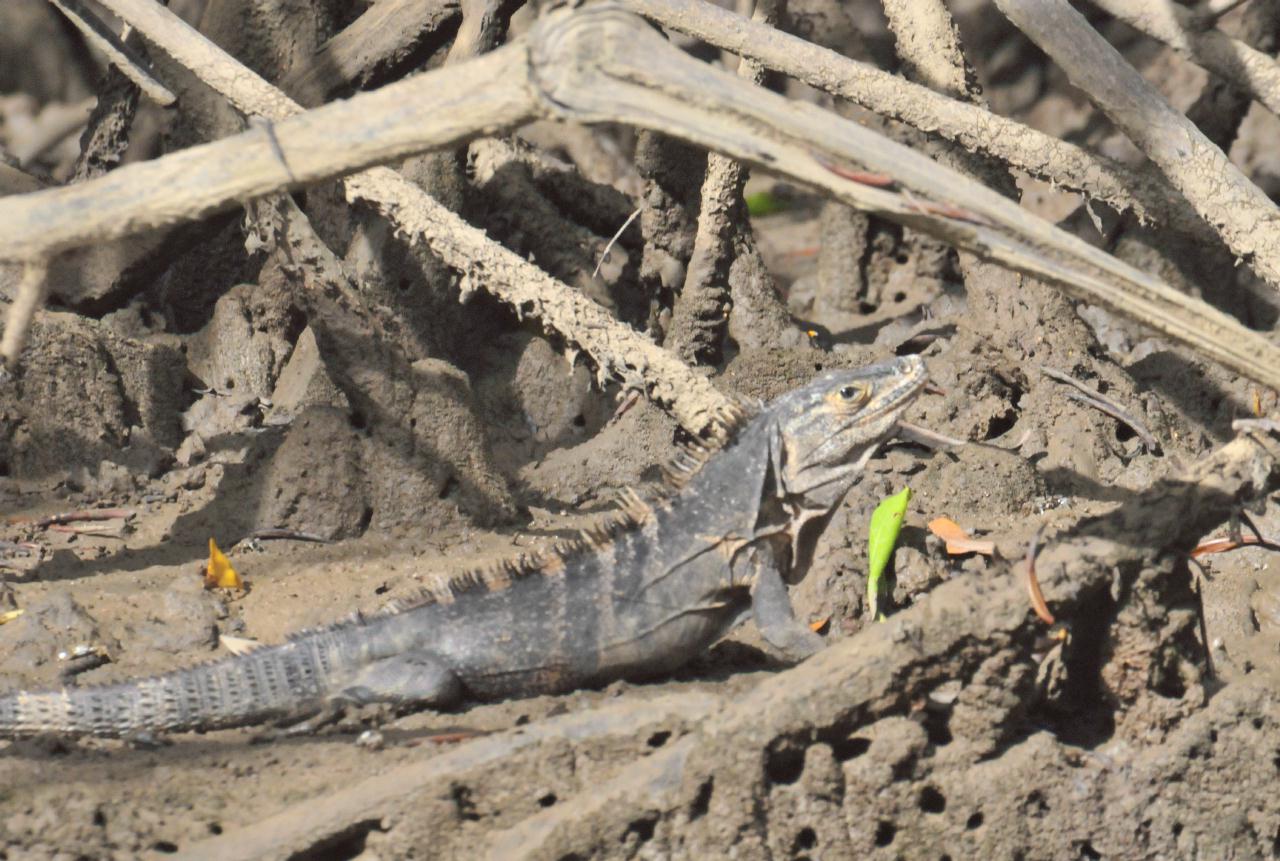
(215, 828)
(642, 828)
(1124, 433)
(99, 818)
(885, 832)
(579, 421)
(702, 801)
(1086, 852)
(547, 800)
(164, 846)
(347, 843)
(229, 384)
(974, 821)
(358, 420)
(1257, 723)
(932, 801)
(850, 748)
(1001, 424)
(366, 517)
(403, 284)
(899, 296)
(450, 485)
(658, 739)
(784, 765)
(807, 838)
(937, 726)
(865, 307)
(817, 366)
(465, 806)
(1177, 829)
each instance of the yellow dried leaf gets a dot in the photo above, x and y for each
(9, 616)
(219, 574)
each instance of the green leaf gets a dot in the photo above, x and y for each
(765, 203)
(886, 522)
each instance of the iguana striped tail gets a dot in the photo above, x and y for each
(234, 691)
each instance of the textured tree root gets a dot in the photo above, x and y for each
(729, 757)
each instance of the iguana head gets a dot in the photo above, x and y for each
(827, 430)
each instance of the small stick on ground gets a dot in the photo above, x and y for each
(1097, 400)
(604, 255)
(1033, 584)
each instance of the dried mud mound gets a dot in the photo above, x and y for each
(351, 411)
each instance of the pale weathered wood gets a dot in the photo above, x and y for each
(1241, 213)
(1043, 156)
(599, 64)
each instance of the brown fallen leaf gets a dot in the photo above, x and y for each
(958, 541)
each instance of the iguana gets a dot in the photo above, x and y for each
(662, 581)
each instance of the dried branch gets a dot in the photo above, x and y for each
(1247, 220)
(118, 53)
(700, 316)
(385, 32)
(1250, 70)
(600, 65)
(1040, 155)
(616, 349)
(28, 299)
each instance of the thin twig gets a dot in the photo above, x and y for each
(604, 255)
(933, 439)
(1033, 583)
(1101, 402)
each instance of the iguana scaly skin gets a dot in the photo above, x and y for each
(662, 582)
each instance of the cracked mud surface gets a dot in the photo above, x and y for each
(210, 396)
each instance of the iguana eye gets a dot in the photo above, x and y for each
(853, 393)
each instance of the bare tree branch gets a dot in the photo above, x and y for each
(1247, 220)
(1249, 69)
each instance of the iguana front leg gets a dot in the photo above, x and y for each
(771, 606)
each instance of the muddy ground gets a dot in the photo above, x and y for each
(190, 384)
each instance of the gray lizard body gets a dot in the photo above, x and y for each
(638, 597)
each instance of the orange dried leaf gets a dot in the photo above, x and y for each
(219, 574)
(958, 541)
(818, 625)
